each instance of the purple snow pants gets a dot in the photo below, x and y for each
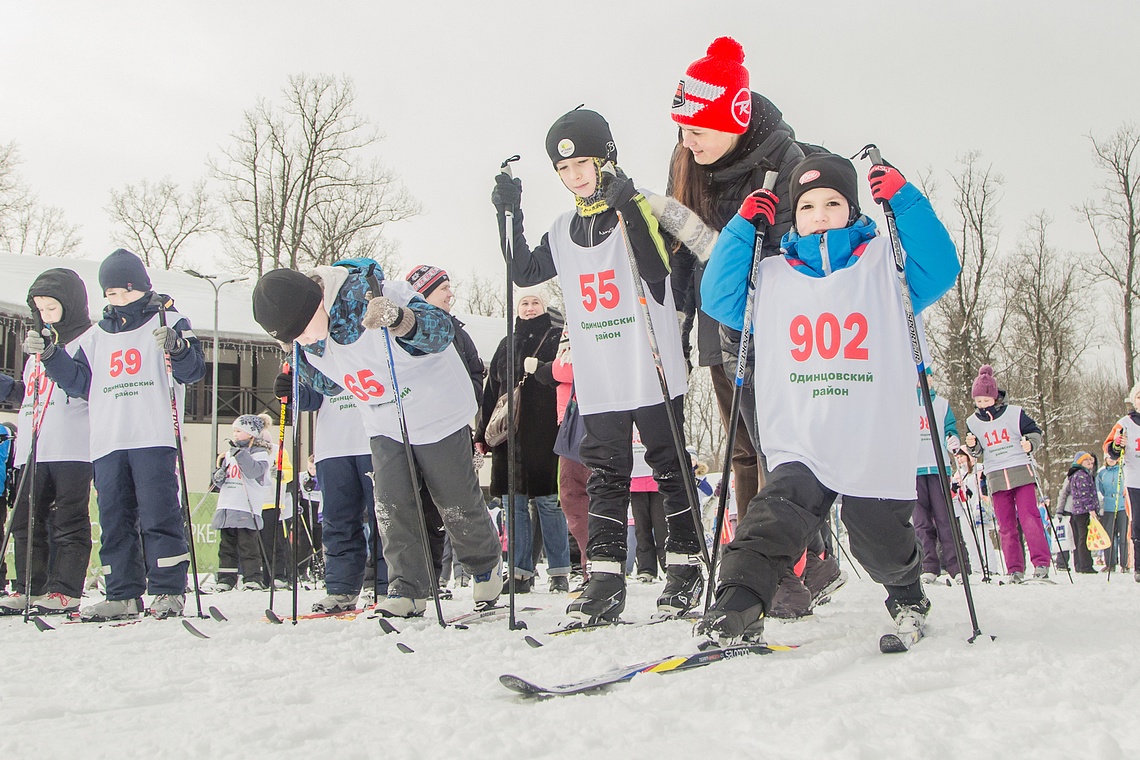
(1019, 505)
(932, 526)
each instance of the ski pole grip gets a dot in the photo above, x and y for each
(770, 180)
(875, 156)
(506, 165)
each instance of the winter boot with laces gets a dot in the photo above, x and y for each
(399, 606)
(336, 603)
(603, 599)
(14, 604)
(559, 584)
(56, 603)
(1041, 573)
(167, 606)
(111, 609)
(684, 584)
(488, 587)
(735, 617)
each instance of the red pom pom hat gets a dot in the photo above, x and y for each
(714, 93)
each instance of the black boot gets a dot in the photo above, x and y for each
(602, 601)
(737, 615)
(684, 585)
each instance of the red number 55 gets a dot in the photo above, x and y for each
(606, 294)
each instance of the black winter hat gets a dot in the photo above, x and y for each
(123, 269)
(284, 302)
(67, 287)
(580, 133)
(825, 170)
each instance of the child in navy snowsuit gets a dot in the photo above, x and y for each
(61, 490)
(119, 368)
(834, 368)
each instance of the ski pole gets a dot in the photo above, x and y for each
(1052, 528)
(872, 152)
(685, 470)
(272, 565)
(25, 471)
(184, 494)
(843, 550)
(512, 439)
(413, 474)
(29, 546)
(296, 472)
(1108, 554)
(738, 388)
(973, 528)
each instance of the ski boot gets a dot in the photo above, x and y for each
(1041, 573)
(823, 577)
(929, 578)
(684, 584)
(792, 600)
(14, 604)
(397, 605)
(111, 609)
(167, 605)
(909, 617)
(559, 584)
(488, 587)
(55, 604)
(737, 616)
(1017, 577)
(252, 584)
(603, 599)
(336, 603)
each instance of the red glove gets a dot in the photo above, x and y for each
(760, 206)
(885, 182)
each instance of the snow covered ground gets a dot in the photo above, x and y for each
(1062, 680)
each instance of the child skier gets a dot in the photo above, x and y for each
(243, 480)
(119, 368)
(1002, 437)
(932, 514)
(586, 249)
(344, 470)
(1110, 486)
(61, 544)
(337, 313)
(1078, 499)
(834, 370)
(1123, 443)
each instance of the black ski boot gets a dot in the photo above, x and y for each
(736, 616)
(602, 601)
(684, 585)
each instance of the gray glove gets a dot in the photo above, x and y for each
(383, 312)
(169, 340)
(34, 343)
(219, 478)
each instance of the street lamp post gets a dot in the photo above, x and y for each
(212, 279)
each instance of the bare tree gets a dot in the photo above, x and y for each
(158, 219)
(1115, 223)
(1047, 339)
(483, 295)
(26, 226)
(300, 188)
(703, 426)
(963, 325)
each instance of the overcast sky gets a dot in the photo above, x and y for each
(97, 96)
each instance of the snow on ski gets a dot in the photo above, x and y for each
(462, 621)
(671, 664)
(578, 627)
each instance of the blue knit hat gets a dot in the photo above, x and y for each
(123, 269)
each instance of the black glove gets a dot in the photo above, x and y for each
(308, 483)
(617, 189)
(283, 387)
(507, 195)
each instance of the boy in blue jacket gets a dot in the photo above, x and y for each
(834, 383)
(119, 368)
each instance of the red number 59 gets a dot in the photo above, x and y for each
(129, 361)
